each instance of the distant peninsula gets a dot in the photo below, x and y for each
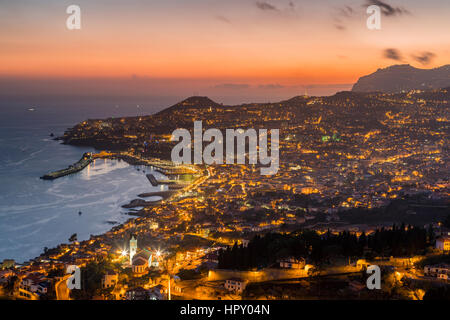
(398, 78)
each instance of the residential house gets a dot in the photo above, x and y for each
(137, 293)
(110, 279)
(292, 263)
(5, 275)
(236, 285)
(441, 271)
(443, 243)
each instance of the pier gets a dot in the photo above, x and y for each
(152, 179)
(173, 184)
(165, 167)
(171, 170)
(164, 194)
(76, 167)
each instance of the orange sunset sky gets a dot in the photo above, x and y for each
(253, 49)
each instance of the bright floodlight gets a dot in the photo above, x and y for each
(158, 253)
(124, 253)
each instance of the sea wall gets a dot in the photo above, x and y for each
(256, 276)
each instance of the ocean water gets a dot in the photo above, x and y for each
(36, 213)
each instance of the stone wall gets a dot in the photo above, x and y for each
(256, 276)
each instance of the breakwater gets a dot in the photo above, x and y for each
(152, 179)
(76, 167)
(164, 194)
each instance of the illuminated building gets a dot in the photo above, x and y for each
(133, 248)
(443, 243)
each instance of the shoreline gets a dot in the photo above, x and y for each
(164, 167)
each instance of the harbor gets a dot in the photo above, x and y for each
(164, 167)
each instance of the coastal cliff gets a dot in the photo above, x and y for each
(403, 77)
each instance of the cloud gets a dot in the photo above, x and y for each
(392, 54)
(328, 85)
(425, 57)
(341, 16)
(223, 19)
(271, 86)
(340, 26)
(262, 5)
(387, 9)
(232, 86)
(346, 11)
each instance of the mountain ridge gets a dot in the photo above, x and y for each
(403, 77)
(193, 102)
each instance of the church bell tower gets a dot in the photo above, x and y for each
(133, 247)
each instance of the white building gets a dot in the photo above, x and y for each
(441, 271)
(42, 287)
(292, 263)
(32, 286)
(133, 248)
(236, 285)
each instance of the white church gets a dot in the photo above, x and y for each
(140, 260)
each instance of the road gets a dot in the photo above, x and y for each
(62, 292)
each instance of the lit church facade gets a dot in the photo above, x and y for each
(140, 260)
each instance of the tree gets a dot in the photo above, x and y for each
(447, 222)
(440, 293)
(91, 280)
(73, 238)
(168, 266)
(11, 285)
(56, 272)
(431, 232)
